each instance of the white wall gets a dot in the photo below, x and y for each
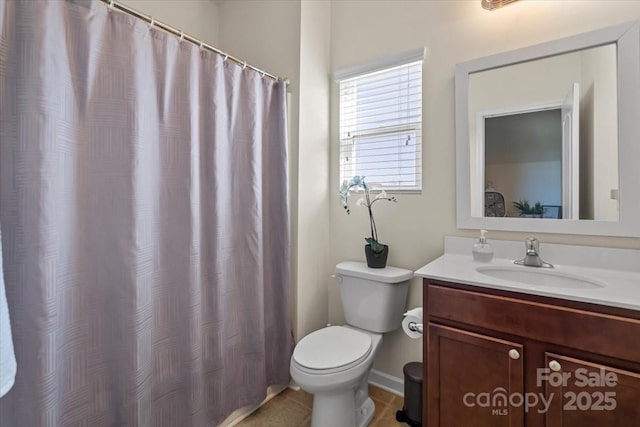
(313, 168)
(198, 18)
(453, 32)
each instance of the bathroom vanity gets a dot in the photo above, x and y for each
(513, 345)
(559, 347)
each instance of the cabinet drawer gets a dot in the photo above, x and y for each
(599, 333)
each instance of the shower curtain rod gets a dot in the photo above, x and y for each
(111, 5)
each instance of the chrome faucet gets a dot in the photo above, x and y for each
(532, 256)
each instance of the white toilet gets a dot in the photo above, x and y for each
(334, 363)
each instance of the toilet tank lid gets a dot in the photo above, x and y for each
(385, 275)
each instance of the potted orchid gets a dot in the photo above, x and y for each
(375, 251)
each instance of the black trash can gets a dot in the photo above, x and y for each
(412, 411)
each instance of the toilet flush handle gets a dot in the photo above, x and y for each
(338, 277)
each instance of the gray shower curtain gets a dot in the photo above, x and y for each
(143, 203)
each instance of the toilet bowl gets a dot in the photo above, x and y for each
(333, 363)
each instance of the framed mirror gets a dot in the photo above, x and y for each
(548, 136)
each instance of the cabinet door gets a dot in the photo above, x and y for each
(589, 394)
(470, 379)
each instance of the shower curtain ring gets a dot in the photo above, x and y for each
(152, 22)
(264, 74)
(201, 45)
(225, 58)
(244, 65)
(181, 36)
(111, 6)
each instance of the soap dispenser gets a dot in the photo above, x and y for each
(482, 251)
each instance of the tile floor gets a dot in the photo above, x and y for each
(293, 409)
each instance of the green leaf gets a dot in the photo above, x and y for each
(376, 247)
(526, 209)
(537, 209)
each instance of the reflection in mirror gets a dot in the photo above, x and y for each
(543, 137)
(523, 158)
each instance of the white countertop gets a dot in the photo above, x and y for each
(617, 269)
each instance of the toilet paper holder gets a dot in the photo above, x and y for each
(415, 327)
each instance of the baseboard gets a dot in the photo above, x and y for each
(387, 382)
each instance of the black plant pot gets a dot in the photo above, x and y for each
(376, 260)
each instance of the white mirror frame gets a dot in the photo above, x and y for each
(627, 39)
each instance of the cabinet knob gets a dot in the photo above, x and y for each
(554, 365)
(513, 353)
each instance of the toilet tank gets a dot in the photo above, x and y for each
(373, 299)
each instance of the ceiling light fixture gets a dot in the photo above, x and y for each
(495, 4)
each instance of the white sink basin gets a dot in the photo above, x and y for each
(540, 277)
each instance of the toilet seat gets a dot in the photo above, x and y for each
(332, 349)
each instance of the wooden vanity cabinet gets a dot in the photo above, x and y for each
(486, 351)
(461, 361)
(595, 405)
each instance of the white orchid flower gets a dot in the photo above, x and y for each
(361, 202)
(381, 195)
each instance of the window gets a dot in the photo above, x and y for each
(381, 124)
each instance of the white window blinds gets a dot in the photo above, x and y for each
(381, 127)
